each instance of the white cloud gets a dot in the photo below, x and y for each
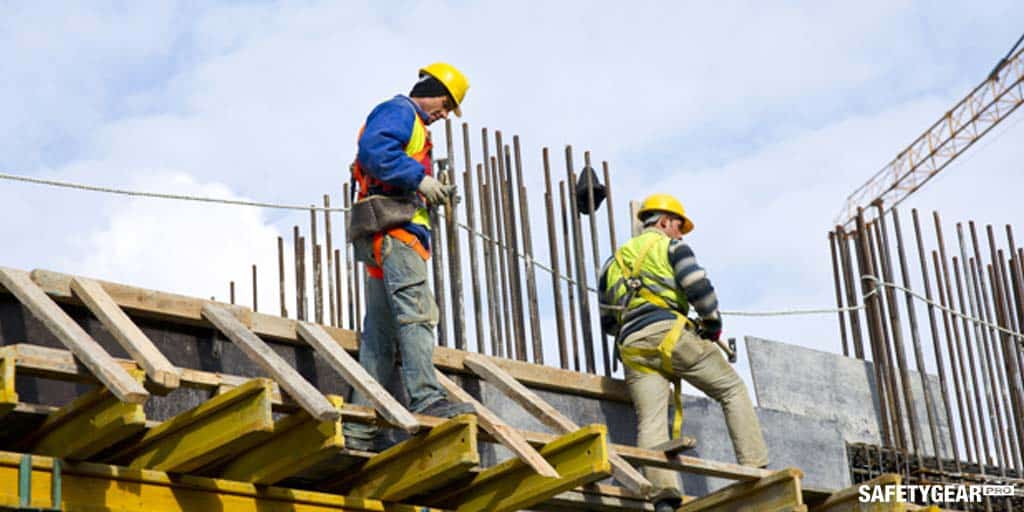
(761, 119)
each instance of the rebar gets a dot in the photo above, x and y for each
(612, 244)
(280, 277)
(491, 267)
(915, 338)
(255, 301)
(851, 292)
(511, 244)
(839, 293)
(318, 283)
(897, 334)
(498, 213)
(869, 291)
(474, 269)
(568, 272)
(332, 306)
(984, 455)
(451, 217)
(531, 278)
(437, 263)
(937, 350)
(556, 282)
(581, 274)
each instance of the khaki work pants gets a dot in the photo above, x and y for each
(702, 364)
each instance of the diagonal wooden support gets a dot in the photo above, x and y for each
(778, 492)
(357, 377)
(503, 432)
(534, 404)
(418, 465)
(310, 398)
(159, 370)
(223, 426)
(122, 385)
(88, 425)
(580, 457)
(8, 396)
(298, 443)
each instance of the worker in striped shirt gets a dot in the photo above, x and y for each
(646, 291)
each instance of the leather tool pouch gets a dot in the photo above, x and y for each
(374, 214)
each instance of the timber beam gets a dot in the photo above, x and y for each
(92, 355)
(298, 443)
(778, 492)
(88, 425)
(580, 458)
(88, 487)
(423, 463)
(221, 427)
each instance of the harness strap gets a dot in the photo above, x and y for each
(401, 235)
(631, 357)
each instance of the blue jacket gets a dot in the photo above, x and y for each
(382, 150)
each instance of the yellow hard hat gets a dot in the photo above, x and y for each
(453, 80)
(668, 204)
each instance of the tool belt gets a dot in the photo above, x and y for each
(376, 214)
(631, 357)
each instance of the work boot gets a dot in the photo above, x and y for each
(668, 505)
(445, 409)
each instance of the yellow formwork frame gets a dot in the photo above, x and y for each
(299, 442)
(580, 457)
(88, 425)
(88, 487)
(223, 426)
(778, 492)
(8, 397)
(420, 464)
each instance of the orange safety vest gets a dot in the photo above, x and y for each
(418, 148)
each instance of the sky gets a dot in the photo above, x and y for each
(760, 117)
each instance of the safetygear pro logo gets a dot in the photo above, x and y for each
(953, 493)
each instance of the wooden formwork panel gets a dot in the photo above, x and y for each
(88, 487)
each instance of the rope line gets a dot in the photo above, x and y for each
(526, 258)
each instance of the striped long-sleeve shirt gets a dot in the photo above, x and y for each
(688, 276)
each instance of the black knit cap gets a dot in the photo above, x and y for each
(429, 87)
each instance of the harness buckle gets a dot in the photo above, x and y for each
(634, 283)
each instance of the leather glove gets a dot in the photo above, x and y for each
(433, 190)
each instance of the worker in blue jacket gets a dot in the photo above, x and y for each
(394, 161)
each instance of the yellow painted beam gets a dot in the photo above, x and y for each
(298, 443)
(88, 487)
(778, 492)
(420, 464)
(8, 397)
(580, 457)
(88, 425)
(221, 427)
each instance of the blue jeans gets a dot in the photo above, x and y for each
(400, 314)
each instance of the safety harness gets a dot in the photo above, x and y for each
(632, 278)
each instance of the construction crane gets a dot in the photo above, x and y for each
(986, 106)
